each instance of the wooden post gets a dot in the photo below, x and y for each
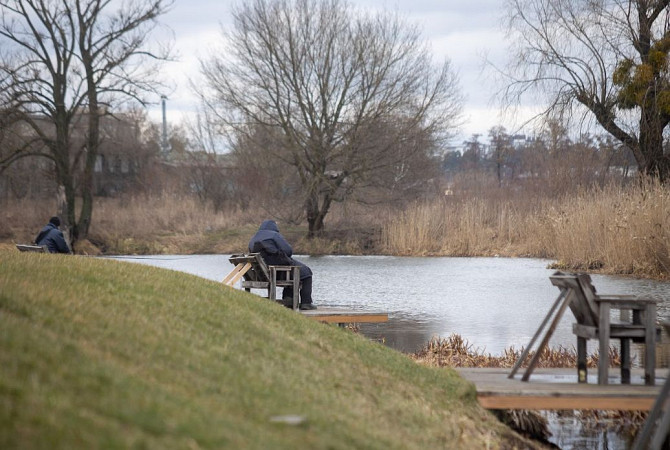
(582, 370)
(296, 288)
(272, 289)
(625, 361)
(657, 412)
(650, 344)
(604, 342)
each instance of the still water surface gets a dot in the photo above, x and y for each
(493, 303)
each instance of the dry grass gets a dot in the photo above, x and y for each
(472, 227)
(142, 216)
(167, 223)
(620, 230)
(22, 219)
(454, 351)
(613, 229)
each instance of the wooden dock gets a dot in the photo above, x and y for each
(559, 389)
(342, 315)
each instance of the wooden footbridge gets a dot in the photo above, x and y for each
(558, 389)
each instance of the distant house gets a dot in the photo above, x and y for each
(123, 156)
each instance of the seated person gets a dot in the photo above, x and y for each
(52, 237)
(275, 251)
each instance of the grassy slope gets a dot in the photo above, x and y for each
(104, 354)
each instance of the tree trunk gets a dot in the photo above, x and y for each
(92, 144)
(655, 163)
(316, 213)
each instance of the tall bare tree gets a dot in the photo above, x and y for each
(66, 63)
(607, 58)
(326, 78)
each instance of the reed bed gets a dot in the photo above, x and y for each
(150, 215)
(614, 229)
(472, 227)
(623, 230)
(454, 351)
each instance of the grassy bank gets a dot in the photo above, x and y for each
(105, 354)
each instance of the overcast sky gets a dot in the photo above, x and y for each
(465, 32)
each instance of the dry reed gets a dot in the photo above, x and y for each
(613, 229)
(454, 351)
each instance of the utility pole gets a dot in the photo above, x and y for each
(165, 144)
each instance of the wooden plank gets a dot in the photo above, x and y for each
(238, 271)
(255, 284)
(352, 318)
(31, 248)
(341, 315)
(239, 274)
(558, 389)
(556, 403)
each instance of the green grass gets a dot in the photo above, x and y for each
(105, 354)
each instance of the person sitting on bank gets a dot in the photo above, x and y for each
(52, 237)
(276, 251)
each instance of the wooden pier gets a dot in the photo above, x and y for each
(559, 389)
(342, 315)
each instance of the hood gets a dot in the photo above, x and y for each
(269, 225)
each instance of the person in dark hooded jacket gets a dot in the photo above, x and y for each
(276, 251)
(52, 237)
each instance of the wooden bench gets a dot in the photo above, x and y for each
(32, 248)
(592, 314)
(256, 274)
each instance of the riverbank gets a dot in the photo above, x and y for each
(612, 230)
(100, 353)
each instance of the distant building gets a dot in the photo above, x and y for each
(123, 156)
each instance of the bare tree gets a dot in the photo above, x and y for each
(325, 78)
(69, 62)
(608, 59)
(501, 150)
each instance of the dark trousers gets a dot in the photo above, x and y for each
(305, 291)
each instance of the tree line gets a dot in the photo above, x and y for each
(317, 102)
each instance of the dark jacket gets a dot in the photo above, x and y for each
(268, 240)
(274, 249)
(53, 238)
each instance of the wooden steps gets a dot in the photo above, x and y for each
(559, 389)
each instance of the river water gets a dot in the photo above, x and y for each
(493, 303)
